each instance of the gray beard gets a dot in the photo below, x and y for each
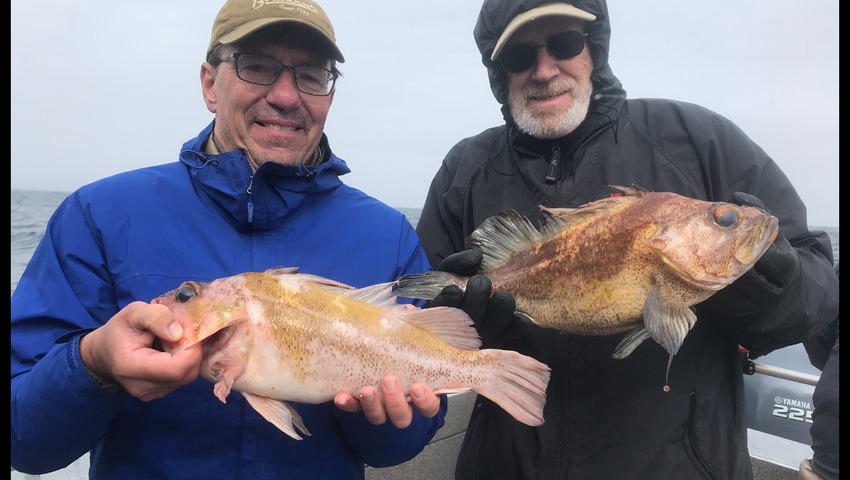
(546, 128)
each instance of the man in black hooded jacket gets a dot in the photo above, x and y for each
(822, 349)
(569, 133)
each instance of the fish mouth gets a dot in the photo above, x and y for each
(218, 339)
(209, 341)
(750, 252)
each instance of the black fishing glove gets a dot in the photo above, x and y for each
(779, 264)
(493, 315)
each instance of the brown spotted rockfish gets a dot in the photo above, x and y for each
(634, 262)
(279, 336)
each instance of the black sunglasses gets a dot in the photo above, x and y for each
(562, 46)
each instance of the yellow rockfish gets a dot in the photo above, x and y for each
(280, 335)
(633, 262)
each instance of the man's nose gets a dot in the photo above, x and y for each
(284, 91)
(545, 65)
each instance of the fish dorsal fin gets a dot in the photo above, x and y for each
(499, 236)
(634, 190)
(282, 270)
(380, 295)
(561, 218)
(450, 324)
(308, 277)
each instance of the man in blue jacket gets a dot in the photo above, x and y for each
(257, 188)
(569, 132)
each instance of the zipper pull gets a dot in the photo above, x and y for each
(553, 164)
(250, 200)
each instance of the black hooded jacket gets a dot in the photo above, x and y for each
(822, 349)
(607, 418)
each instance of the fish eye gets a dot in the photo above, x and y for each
(186, 291)
(726, 216)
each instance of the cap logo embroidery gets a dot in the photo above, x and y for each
(287, 5)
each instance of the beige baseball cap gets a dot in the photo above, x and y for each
(548, 10)
(239, 18)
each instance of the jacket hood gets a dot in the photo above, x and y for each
(495, 16)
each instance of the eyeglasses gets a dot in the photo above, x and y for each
(261, 70)
(562, 46)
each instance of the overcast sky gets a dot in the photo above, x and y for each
(103, 87)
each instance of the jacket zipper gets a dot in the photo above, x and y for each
(698, 456)
(250, 199)
(553, 164)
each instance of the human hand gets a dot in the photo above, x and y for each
(124, 350)
(390, 403)
(779, 264)
(493, 314)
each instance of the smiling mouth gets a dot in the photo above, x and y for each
(280, 128)
(547, 96)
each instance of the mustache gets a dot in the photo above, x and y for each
(548, 89)
(271, 112)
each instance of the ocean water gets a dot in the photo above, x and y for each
(31, 210)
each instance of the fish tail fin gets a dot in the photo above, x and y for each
(426, 285)
(519, 387)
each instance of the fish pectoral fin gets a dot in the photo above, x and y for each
(226, 366)
(222, 389)
(667, 323)
(281, 414)
(630, 342)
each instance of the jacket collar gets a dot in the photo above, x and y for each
(256, 200)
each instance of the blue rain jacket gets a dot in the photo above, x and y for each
(136, 235)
